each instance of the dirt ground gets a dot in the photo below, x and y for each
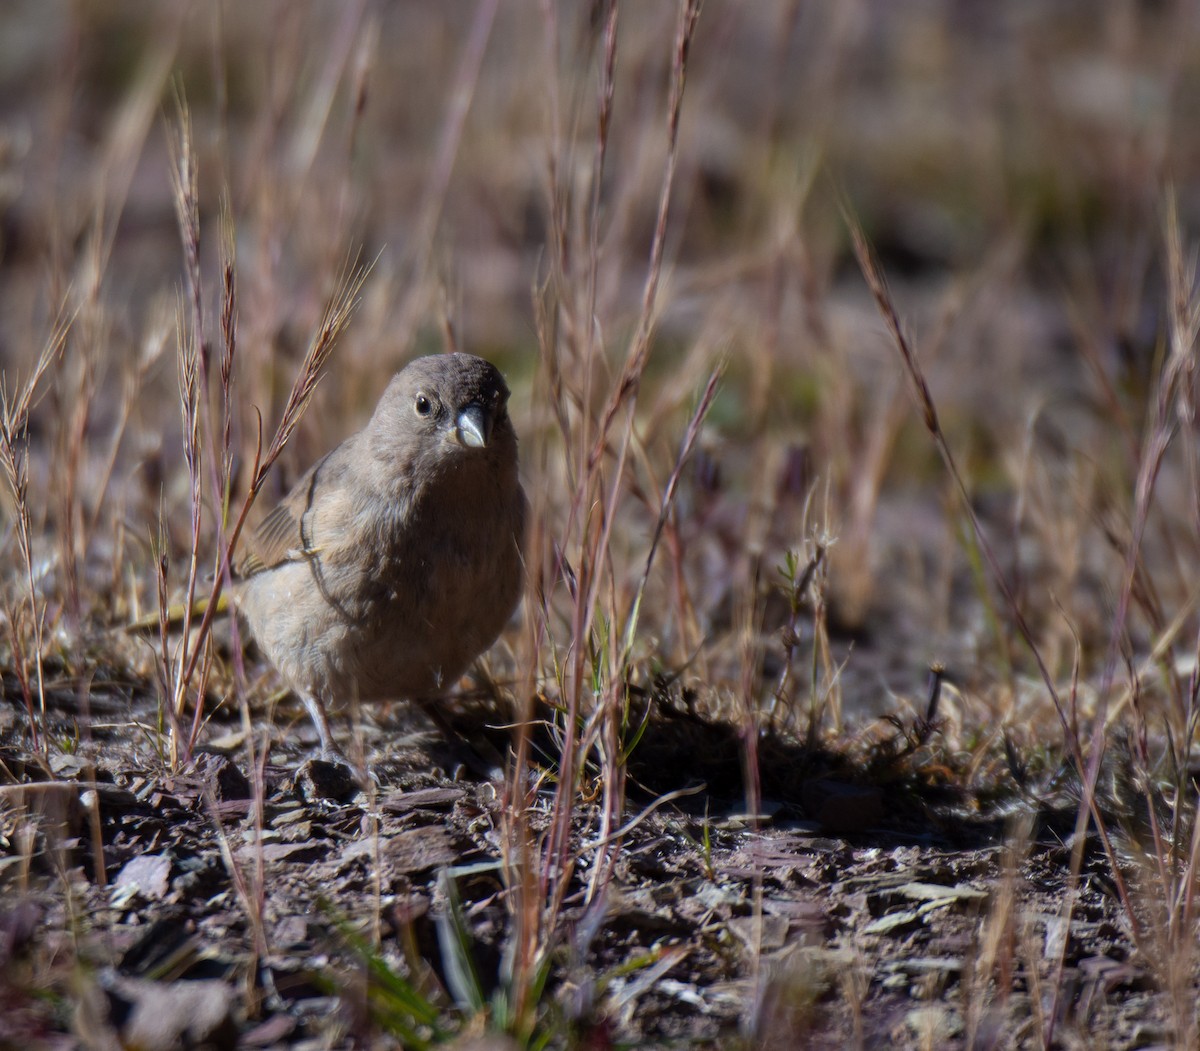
(869, 903)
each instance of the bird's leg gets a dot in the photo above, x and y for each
(332, 775)
(316, 710)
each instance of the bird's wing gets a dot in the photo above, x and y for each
(280, 536)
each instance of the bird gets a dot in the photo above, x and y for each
(396, 559)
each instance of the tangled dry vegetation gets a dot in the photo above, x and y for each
(853, 699)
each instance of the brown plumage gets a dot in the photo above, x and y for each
(396, 560)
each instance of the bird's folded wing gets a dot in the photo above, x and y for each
(280, 537)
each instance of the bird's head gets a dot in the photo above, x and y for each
(442, 409)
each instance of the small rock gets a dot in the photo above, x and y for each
(147, 875)
(67, 766)
(429, 798)
(302, 852)
(935, 892)
(760, 933)
(415, 850)
(290, 932)
(297, 815)
(223, 777)
(929, 964)
(158, 1016)
(321, 779)
(895, 923)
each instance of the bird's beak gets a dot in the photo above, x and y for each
(473, 427)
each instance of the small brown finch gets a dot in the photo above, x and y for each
(396, 560)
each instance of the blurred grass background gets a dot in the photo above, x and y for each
(1007, 161)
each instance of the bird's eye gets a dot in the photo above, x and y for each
(424, 406)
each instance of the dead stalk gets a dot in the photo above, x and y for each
(200, 439)
(15, 407)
